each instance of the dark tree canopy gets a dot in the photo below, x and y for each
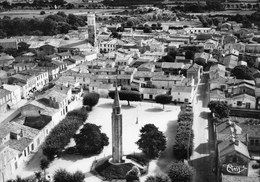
(90, 140)
(133, 175)
(61, 175)
(219, 108)
(152, 141)
(163, 99)
(158, 178)
(242, 72)
(178, 171)
(91, 99)
(128, 95)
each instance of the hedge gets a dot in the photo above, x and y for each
(183, 146)
(61, 134)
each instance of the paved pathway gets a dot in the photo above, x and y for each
(201, 158)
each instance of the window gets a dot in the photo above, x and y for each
(234, 159)
(252, 142)
(186, 100)
(178, 93)
(239, 103)
(256, 142)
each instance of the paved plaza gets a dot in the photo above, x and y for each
(144, 112)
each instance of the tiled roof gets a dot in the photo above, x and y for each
(20, 144)
(228, 146)
(235, 178)
(228, 127)
(28, 132)
(251, 130)
(181, 89)
(153, 91)
(172, 65)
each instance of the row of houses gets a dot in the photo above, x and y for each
(235, 145)
(26, 128)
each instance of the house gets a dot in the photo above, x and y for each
(232, 52)
(253, 132)
(102, 89)
(164, 81)
(6, 157)
(229, 39)
(88, 56)
(16, 92)
(123, 61)
(158, 55)
(5, 100)
(202, 57)
(6, 61)
(3, 77)
(141, 60)
(184, 93)
(241, 47)
(195, 71)
(46, 47)
(233, 153)
(41, 77)
(210, 45)
(172, 68)
(149, 67)
(151, 93)
(9, 43)
(227, 130)
(146, 75)
(217, 70)
(252, 48)
(18, 67)
(230, 62)
(110, 45)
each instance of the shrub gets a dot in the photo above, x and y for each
(61, 175)
(61, 134)
(158, 178)
(178, 171)
(133, 175)
(256, 166)
(42, 13)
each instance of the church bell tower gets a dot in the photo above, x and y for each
(117, 152)
(92, 29)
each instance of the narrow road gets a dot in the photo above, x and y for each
(201, 158)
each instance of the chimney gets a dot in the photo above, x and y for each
(22, 133)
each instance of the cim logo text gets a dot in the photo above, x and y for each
(234, 169)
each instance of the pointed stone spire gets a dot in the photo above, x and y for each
(116, 99)
(116, 104)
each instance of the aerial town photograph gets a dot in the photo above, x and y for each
(130, 90)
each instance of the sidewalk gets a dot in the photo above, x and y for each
(13, 112)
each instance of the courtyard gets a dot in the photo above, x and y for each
(145, 112)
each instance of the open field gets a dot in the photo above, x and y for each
(36, 13)
(177, 23)
(228, 12)
(146, 112)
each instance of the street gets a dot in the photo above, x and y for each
(202, 156)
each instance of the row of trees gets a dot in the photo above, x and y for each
(59, 23)
(60, 175)
(61, 134)
(183, 146)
